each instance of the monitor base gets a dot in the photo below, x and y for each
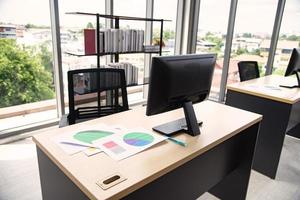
(173, 127)
(293, 86)
(290, 87)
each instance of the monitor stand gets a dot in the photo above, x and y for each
(293, 86)
(188, 124)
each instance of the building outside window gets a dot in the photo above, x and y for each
(211, 36)
(252, 34)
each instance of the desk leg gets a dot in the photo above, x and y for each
(294, 122)
(235, 185)
(55, 184)
(272, 130)
(295, 132)
(224, 171)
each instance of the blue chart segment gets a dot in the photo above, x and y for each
(138, 139)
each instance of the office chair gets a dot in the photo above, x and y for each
(103, 86)
(248, 70)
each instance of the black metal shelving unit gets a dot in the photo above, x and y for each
(117, 26)
(117, 19)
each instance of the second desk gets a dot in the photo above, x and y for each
(280, 108)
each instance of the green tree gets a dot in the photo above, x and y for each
(168, 34)
(23, 78)
(210, 37)
(241, 51)
(256, 52)
(247, 35)
(46, 57)
(283, 37)
(89, 25)
(293, 38)
(36, 26)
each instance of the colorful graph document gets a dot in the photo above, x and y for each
(73, 142)
(265, 88)
(126, 143)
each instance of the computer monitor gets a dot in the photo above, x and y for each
(293, 67)
(179, 81)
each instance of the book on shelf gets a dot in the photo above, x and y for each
(151, 48)
(89, 41)
(114, 40)
(131, 71)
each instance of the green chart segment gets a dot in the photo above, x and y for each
(91, 135)
(138, 139)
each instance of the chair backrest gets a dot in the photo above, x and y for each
(248, 70)
(102, 86)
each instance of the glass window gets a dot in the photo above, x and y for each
(211, 36)
(289, 36)
(166, 9)
(133, 8)
(72, 36)
(253, 29)
(27, 93)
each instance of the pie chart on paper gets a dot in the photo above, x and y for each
(138, 139)
(90, 135)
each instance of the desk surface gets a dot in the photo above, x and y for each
(220, 123)
(268, 87)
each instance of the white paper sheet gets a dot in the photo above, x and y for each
(127, 142)
(78, 140)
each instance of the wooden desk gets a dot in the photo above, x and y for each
(280, 108)
(218, 161)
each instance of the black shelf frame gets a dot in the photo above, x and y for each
(117, 17)
(112, 53)
(117, 26)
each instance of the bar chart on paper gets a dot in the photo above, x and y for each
(112, 146)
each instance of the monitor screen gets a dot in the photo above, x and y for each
(176, 80)
(294, 63)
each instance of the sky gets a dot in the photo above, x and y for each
(255, 16)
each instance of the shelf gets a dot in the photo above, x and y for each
(118, 17)
(94, 91)
(134, 85)
(109, 53)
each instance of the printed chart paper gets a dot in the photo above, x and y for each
(265, 88)
(91, 151)
(73, 142)
(126, 143)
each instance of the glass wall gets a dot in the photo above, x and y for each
(72, 31)
(166, 9)
(289, 36)
(27, 36)
(27, 93)
(211, 36)
(253, 30)
(133, 8)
